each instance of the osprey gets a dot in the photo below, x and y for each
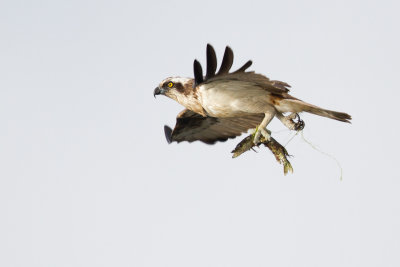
(223, 104)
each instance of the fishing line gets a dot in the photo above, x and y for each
(280, 131)
(291, 138)
(324, 153)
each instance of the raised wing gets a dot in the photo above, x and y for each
(276, 87)
(191, 126)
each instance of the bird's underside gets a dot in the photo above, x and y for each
(223, 104)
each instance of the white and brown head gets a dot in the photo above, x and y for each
(174, 87)
(181, 90)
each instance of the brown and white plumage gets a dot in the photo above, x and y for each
(191, 126)
(222, 105)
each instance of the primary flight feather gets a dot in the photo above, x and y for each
(223, 104)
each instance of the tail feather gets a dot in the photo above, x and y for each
(300, 106)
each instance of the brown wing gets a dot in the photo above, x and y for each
(276, 87)
(191, 126)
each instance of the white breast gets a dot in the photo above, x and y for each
(232, 98)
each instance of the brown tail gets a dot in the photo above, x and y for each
(300, 106)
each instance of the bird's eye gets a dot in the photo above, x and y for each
(170, 84)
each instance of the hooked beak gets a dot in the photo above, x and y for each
(158, 91)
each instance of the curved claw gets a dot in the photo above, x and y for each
(299, 125)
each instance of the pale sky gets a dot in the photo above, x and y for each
(87, 178)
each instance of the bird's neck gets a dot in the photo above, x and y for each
(187, 96)
(191, 101)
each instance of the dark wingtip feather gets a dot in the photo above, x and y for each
(227, 61)
(198, 73)
(168, 133)
(211, 62)
(244, 67)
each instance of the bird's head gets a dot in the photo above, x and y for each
(174, 87)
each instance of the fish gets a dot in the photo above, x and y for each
(279, 151)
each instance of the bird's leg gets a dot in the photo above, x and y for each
(289, 122)
(262, 128)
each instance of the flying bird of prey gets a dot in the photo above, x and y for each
(223, 104)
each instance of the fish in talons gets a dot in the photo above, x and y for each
(276, 148)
